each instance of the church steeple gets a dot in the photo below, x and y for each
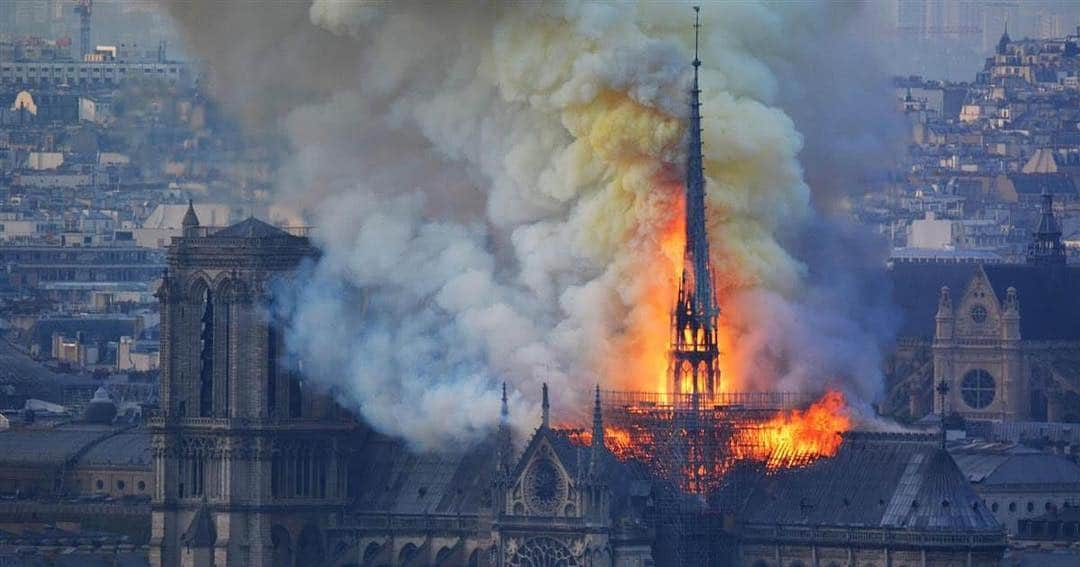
(190, 222)
(545, 409)
(1005, 40)
(504, 442)
(694, 350)
(1046, 248)
(597, 435)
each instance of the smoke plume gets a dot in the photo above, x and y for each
(497, 192)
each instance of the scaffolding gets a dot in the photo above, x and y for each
(703, 452)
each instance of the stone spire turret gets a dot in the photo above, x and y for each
(944, 317)
(504, 442)
(545, 409)
(190, 223)
(597, 435)
(1046, 248)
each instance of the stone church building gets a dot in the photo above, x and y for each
(254, 466)
(1003, 338)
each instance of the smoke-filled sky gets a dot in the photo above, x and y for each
(497, 187)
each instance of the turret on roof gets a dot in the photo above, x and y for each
(191, 220)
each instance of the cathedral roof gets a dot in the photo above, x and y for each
(129, 450)
(252, 228)
(392, 478)
(47, 447)
(1049, 304)
(1015, 465)
(876, 480)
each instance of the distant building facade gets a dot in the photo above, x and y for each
(91, 73)
(1002, 337)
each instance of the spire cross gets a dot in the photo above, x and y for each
(943, 390)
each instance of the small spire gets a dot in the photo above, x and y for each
(191, 219)
(943, 390)
(545, 416)
(190, 223)
(597, 433)
(505, 442)
(504, 414)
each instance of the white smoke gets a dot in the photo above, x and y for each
(487, 182)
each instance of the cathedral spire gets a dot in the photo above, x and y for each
(694, 350)
(545, 409)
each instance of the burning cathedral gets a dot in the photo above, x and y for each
(253, 467)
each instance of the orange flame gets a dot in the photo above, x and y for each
(621, 442)
(789, 439)
(799, 437)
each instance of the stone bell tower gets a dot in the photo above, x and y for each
(249, 461)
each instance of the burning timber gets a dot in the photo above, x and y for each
(694, 441)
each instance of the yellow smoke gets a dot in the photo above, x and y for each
(629, 218)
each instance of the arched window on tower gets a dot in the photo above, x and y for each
(224, 322)
(272, 338)
(206, 357)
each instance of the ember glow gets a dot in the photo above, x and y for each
(698, 447)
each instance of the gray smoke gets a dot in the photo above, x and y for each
(487, 181)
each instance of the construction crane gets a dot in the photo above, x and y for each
(83, 8)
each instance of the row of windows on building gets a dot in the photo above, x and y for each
(84, 70)
(1030, 507)
(299, 474)
(302, 474)
(121, 485)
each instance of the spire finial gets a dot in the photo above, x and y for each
(697, 30)
(545, 416)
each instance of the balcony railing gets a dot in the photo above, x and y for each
(876, 536)
(742, 400)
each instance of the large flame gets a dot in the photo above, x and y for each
(800, 436)
(703, 456)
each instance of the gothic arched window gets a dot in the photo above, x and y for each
(206, 357)
(543, 551)
(281, 547)
(977, 388)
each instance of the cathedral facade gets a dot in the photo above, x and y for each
(248, 467)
